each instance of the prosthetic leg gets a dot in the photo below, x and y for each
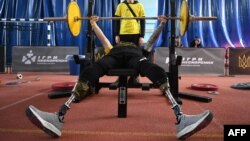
(176, 107)
(52, 123)
(79, 91)
(66, 106)
(187, 125)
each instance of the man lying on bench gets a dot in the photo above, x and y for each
(131, 57)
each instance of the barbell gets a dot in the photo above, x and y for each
(74, 18)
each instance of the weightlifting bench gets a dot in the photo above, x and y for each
(122, 87)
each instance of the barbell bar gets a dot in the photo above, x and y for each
(74, 18)
(125, 18)
(106, 18)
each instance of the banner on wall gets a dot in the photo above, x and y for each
(2, 59)
(239, 61)
(195, 60)
(41, 59)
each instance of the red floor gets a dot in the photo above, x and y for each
(150, 117)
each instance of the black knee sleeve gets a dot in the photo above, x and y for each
(154, 72)
(91, 73)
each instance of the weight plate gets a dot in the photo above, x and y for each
(63, 86)
(204, 87)
(184, 17)
(73, 13)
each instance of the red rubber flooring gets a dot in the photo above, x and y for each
(149, 117)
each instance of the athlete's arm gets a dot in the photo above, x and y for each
(100, 35)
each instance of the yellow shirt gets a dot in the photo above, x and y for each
(130, 26)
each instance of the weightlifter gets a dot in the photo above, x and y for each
(120, 56)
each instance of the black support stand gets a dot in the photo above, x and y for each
(173, 68)
(2, 59)
(90, 35)
(173, 74)
(174, 63)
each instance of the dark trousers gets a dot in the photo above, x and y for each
(124, 57)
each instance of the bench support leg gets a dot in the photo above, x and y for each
(122, 97)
